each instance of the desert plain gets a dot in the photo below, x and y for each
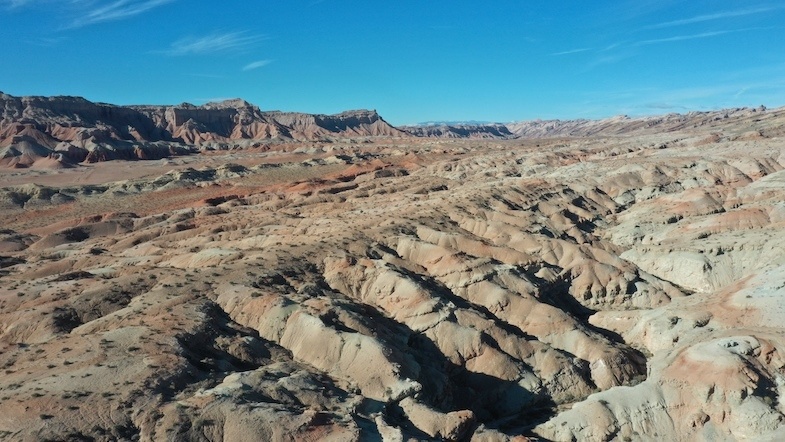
(220, 273)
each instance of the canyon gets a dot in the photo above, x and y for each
(219, 272)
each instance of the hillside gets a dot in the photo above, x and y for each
(71, 130)
(617, 286)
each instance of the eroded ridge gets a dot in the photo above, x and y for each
(579, 288)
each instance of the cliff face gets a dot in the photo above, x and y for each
(346, 124)
(479, 131)
(624, 125)
(96, 131)
(614, 126)
(70, 118)
(65, 130)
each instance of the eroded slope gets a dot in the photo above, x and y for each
(584, 289)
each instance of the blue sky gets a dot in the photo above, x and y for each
(412, 61)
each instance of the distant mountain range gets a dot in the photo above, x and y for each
(477, 131)
(614, 126)
(454, 123)
(67, 130)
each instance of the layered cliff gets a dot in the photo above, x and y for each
(473, 131)
(54, 132)
(72, 129)
(625, 287)
(615, 126)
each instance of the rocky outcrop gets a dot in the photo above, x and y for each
(69, 130)
(81, 130)
(479, 131)
(601, 288)
(624, 125)
(760, 123)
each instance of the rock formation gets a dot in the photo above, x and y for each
(474, 131)
(625, 285)
(77, 130)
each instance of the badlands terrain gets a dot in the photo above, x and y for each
(221, 273)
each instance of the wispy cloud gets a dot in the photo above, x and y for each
(606, 58)
(750, 86)
(212, 43)
(702, 97)
(683, 37)
(619, 51)
(741, 92)
(579, 50)
(572, 51)
(697, 36)
(81, 13)
(690, 95)
(256, 65)
(710, 17)
(92, 12)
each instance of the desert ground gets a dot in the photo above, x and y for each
(612, 280)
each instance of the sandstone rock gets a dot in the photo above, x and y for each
(618, 285)
(446, 426)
